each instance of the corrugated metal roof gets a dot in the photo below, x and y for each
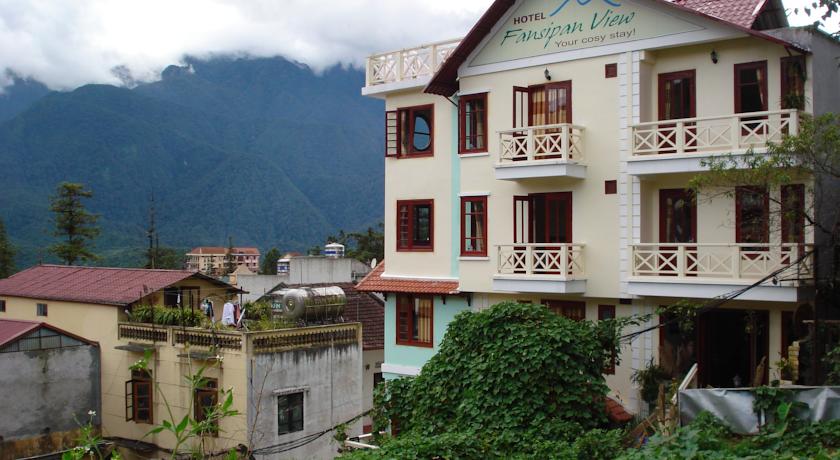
(375, 282)
(740, 12)
(97, 285)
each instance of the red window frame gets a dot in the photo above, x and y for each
(465, 217)
(405, 321)
(462, 123)
(608, 312)
(791, 80)
(409, 111)
(133, 398)
(760, 65)
(572, 309)
(207, 392)
(410, 245)
(793, 213)
(740, 194)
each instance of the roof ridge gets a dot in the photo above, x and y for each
(87, 267)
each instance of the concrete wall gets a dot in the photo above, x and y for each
(46, 393)
(373, 364)
(331, 381)
(320, 269)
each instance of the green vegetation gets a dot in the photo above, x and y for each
(263, 149)
(74, 226)
(269, 262)
(166, 316)
(7, 254)
(165, 258)
(512, 381)
(364, 246)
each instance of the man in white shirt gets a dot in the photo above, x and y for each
(227, 314)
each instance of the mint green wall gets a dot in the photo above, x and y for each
(455, 191)
(417, 356)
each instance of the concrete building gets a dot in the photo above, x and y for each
(286, 383)
(544, 158)
(50, 381)
(212, 260)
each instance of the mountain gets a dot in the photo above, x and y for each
(263, 150)
(19, 96)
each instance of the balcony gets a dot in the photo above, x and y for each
(229, 340)
(681, 145)
(703, 270)
(541, 151)
(405, 68)
(555, 268)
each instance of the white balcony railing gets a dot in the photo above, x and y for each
(565, 260)
(723, 261)
(562, 142)
(728, 133)
(394, 66)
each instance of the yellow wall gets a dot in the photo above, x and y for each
(99, 323)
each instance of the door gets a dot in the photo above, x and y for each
(549, 104)
(751, 96)
(677, 100)
(677, 224)
(732, 344)
(552, 223)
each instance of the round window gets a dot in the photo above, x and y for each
(422, 138)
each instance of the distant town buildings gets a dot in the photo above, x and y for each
(212, 260)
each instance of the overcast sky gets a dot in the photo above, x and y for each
(68, 43)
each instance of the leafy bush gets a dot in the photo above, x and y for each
(832, 362)
(167, 316)
(512, 381)
(257, 310)
(649, 380)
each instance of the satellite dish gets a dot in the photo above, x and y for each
(373, 263)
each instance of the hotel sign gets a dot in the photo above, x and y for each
(541, 27)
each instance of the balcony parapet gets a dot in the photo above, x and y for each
(408, 64)
(273, 341)
(541, 151)
(680, 145)
(540, 267)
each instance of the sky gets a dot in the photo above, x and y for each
(69, 43)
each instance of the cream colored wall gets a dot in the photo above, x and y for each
(410, 178)
(595, 215)
(715, 87)
(99, 323)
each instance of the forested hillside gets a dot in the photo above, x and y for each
(263, 150)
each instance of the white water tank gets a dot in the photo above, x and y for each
(334, 250)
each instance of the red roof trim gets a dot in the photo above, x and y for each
(445, 81)
(374, 282)
(9, 332)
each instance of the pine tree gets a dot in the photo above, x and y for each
(269, 263)
(7, 254)
(74, 225)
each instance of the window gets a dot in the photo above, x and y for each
(751, 215)
(206, 396)
(575, 311)
(472, 111)
(793, 82)
(414, 320)
(290, 413)
(474, 226)
(793, 213)
(610, 70)
(138, 397)
(41, 309)
(2, 306)
(607, 312)
(408, 131)
(751, 87)
(610, 187)
(415, 226)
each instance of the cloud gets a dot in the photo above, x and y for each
(68, 43)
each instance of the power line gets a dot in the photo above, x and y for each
(717, 301)
(300, 442)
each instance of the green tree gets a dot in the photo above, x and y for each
(74, 225)
(230, 258)
(7, 254)
(364, 246)
(813, 157)
(269, 263)
(510, 381)
(164, 257)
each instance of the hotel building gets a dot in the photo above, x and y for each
(545, 156)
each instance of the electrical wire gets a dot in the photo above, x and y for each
(300, 442)
(717, 301)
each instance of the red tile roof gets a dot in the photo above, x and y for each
(10, 329)
(363, 308)
(740, 12)
(97, 285)
(375, 282)
(616, 412)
